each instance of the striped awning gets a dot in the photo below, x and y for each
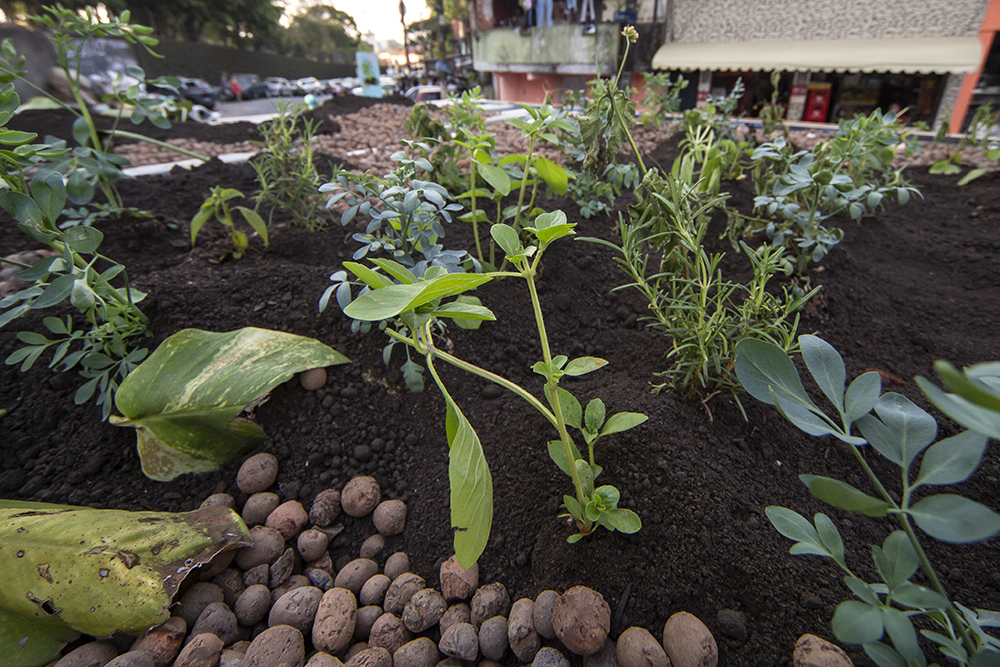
(901, 54)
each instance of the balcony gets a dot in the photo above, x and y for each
(557, 49)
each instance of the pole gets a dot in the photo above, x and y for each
(406, 41)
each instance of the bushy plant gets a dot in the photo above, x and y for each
(663, 96)
(884, 616)
(217, 207)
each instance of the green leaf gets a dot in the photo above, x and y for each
(594, 416)
(763, 368)
(573, 507)
(622, 520)
(571, 410)
(951, 518)
(843, 495)
(918, 597)
(622, 421)
(900, 630)
(967, 413)
(371, 278)
(464, 311)
(199, 220)
(57, 291)
(49, 193)
(857, 623)
(808, 540)
(972, 175)
(469, 300)
(557, 452)
(255, 221)
(553, 175)
(471, 488)
(387, 302)
(905, 430)
(506, 237)
(185, 400)
(79, 189)
(495, 176)
(584, 365)
(884, 655)
(97, 571)
(896, 560)
(862, 590)
(396, 270)
(827, 368)
(952, 460)
(862, 394)
(83, 240)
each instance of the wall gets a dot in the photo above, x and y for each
(562, 49)
(742, 20)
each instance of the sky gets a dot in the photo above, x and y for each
(378, 16)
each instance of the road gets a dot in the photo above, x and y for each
(265, 105)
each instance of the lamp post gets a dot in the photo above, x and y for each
(406, 41)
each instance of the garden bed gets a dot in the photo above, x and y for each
(912, 285)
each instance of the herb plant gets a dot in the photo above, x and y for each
(418, 303)
(882, 617)
(217, 206)
(663, 96)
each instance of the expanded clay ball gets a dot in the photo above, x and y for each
(257, 473)
(360, 496)
(390, 517)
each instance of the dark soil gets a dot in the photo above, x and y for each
(916, 284)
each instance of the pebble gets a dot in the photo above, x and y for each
(549, 657)
(259, 506)
(194, 601)
(231, 582)
(390, 517)
(581, 620)
(688, 643)
(336, 616)
(396, 564)
(313, 379)
(132, 659)
(493, 643)
(812, 651)
(91, 654)
(354, 575)
(457, 583)
(354, 650)
(606, 657)
(365, 620)
(201, 651)
(371, 657)
(293, 582)
(312, 544)
(253, 605)
(421, 652)
(732, 624)
(230, 658)
(219, 500)
(372, 547)
(457, 613)
(257, 473)
(321, 579)
(219, 562)
(325, 508)
(489, 601)
(360, 496)
(218, 620)
(524, 640)
(373, 590)
(288, 518)
(281, 569)
(323, 660)
(401, 590)
(280, 646)
(424, 610)
(268, 545)
(389, 632)
(460, 641)
(542, 614)
(638, 648)
(256, 575)
(296, 608)
(164, 641)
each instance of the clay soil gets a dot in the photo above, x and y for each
(912, 285)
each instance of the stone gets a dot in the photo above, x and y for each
(373, 591)
(259, 574)
(231, 658)
(324, 660)
(521, 635)
(606, 657)
(366, 619)
(460, 641)
(201, 651)
(257, 473)
(542, 614)
(219, 500)
(218, 620)
(354, 575)
(132, 659)
(421, 652)
(389, 517)
(371, 657)
(293, 582)
(372, 547)
(253, 605)
(549, 657)
(457, 583)
(732, 625)
(812, 651)
(424, 610)
(493, 643)
(230, 581)
(91, 654)
(296, 608)
(281, 569)
(288, 518)
(312, 544)
(401, 590)
(313, 379)
(268, 545)
(456, 613)
(354, 650)
(396, 564)
(688, 643)
(163, 642)
(194, 601)
(217, 565)
(581, 620)
(321, 579)
(258, 507)
(389, 633)
(336, 616)
(325, 508)
(638, 648)
(489, 601)
(280, 646)
(360, 496)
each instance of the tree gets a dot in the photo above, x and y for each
(319, 30)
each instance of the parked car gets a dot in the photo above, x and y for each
(426, 93)
(197, 91)
(309, 84)
(251, 85)
(279, 86)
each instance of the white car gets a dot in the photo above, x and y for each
(279, 86)
(309, 84)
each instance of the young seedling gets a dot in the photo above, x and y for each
(216, 206)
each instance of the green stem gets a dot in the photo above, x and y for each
(475, 213)
(524, 183)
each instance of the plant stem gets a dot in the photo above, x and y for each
(475, 213)
(524, 183)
